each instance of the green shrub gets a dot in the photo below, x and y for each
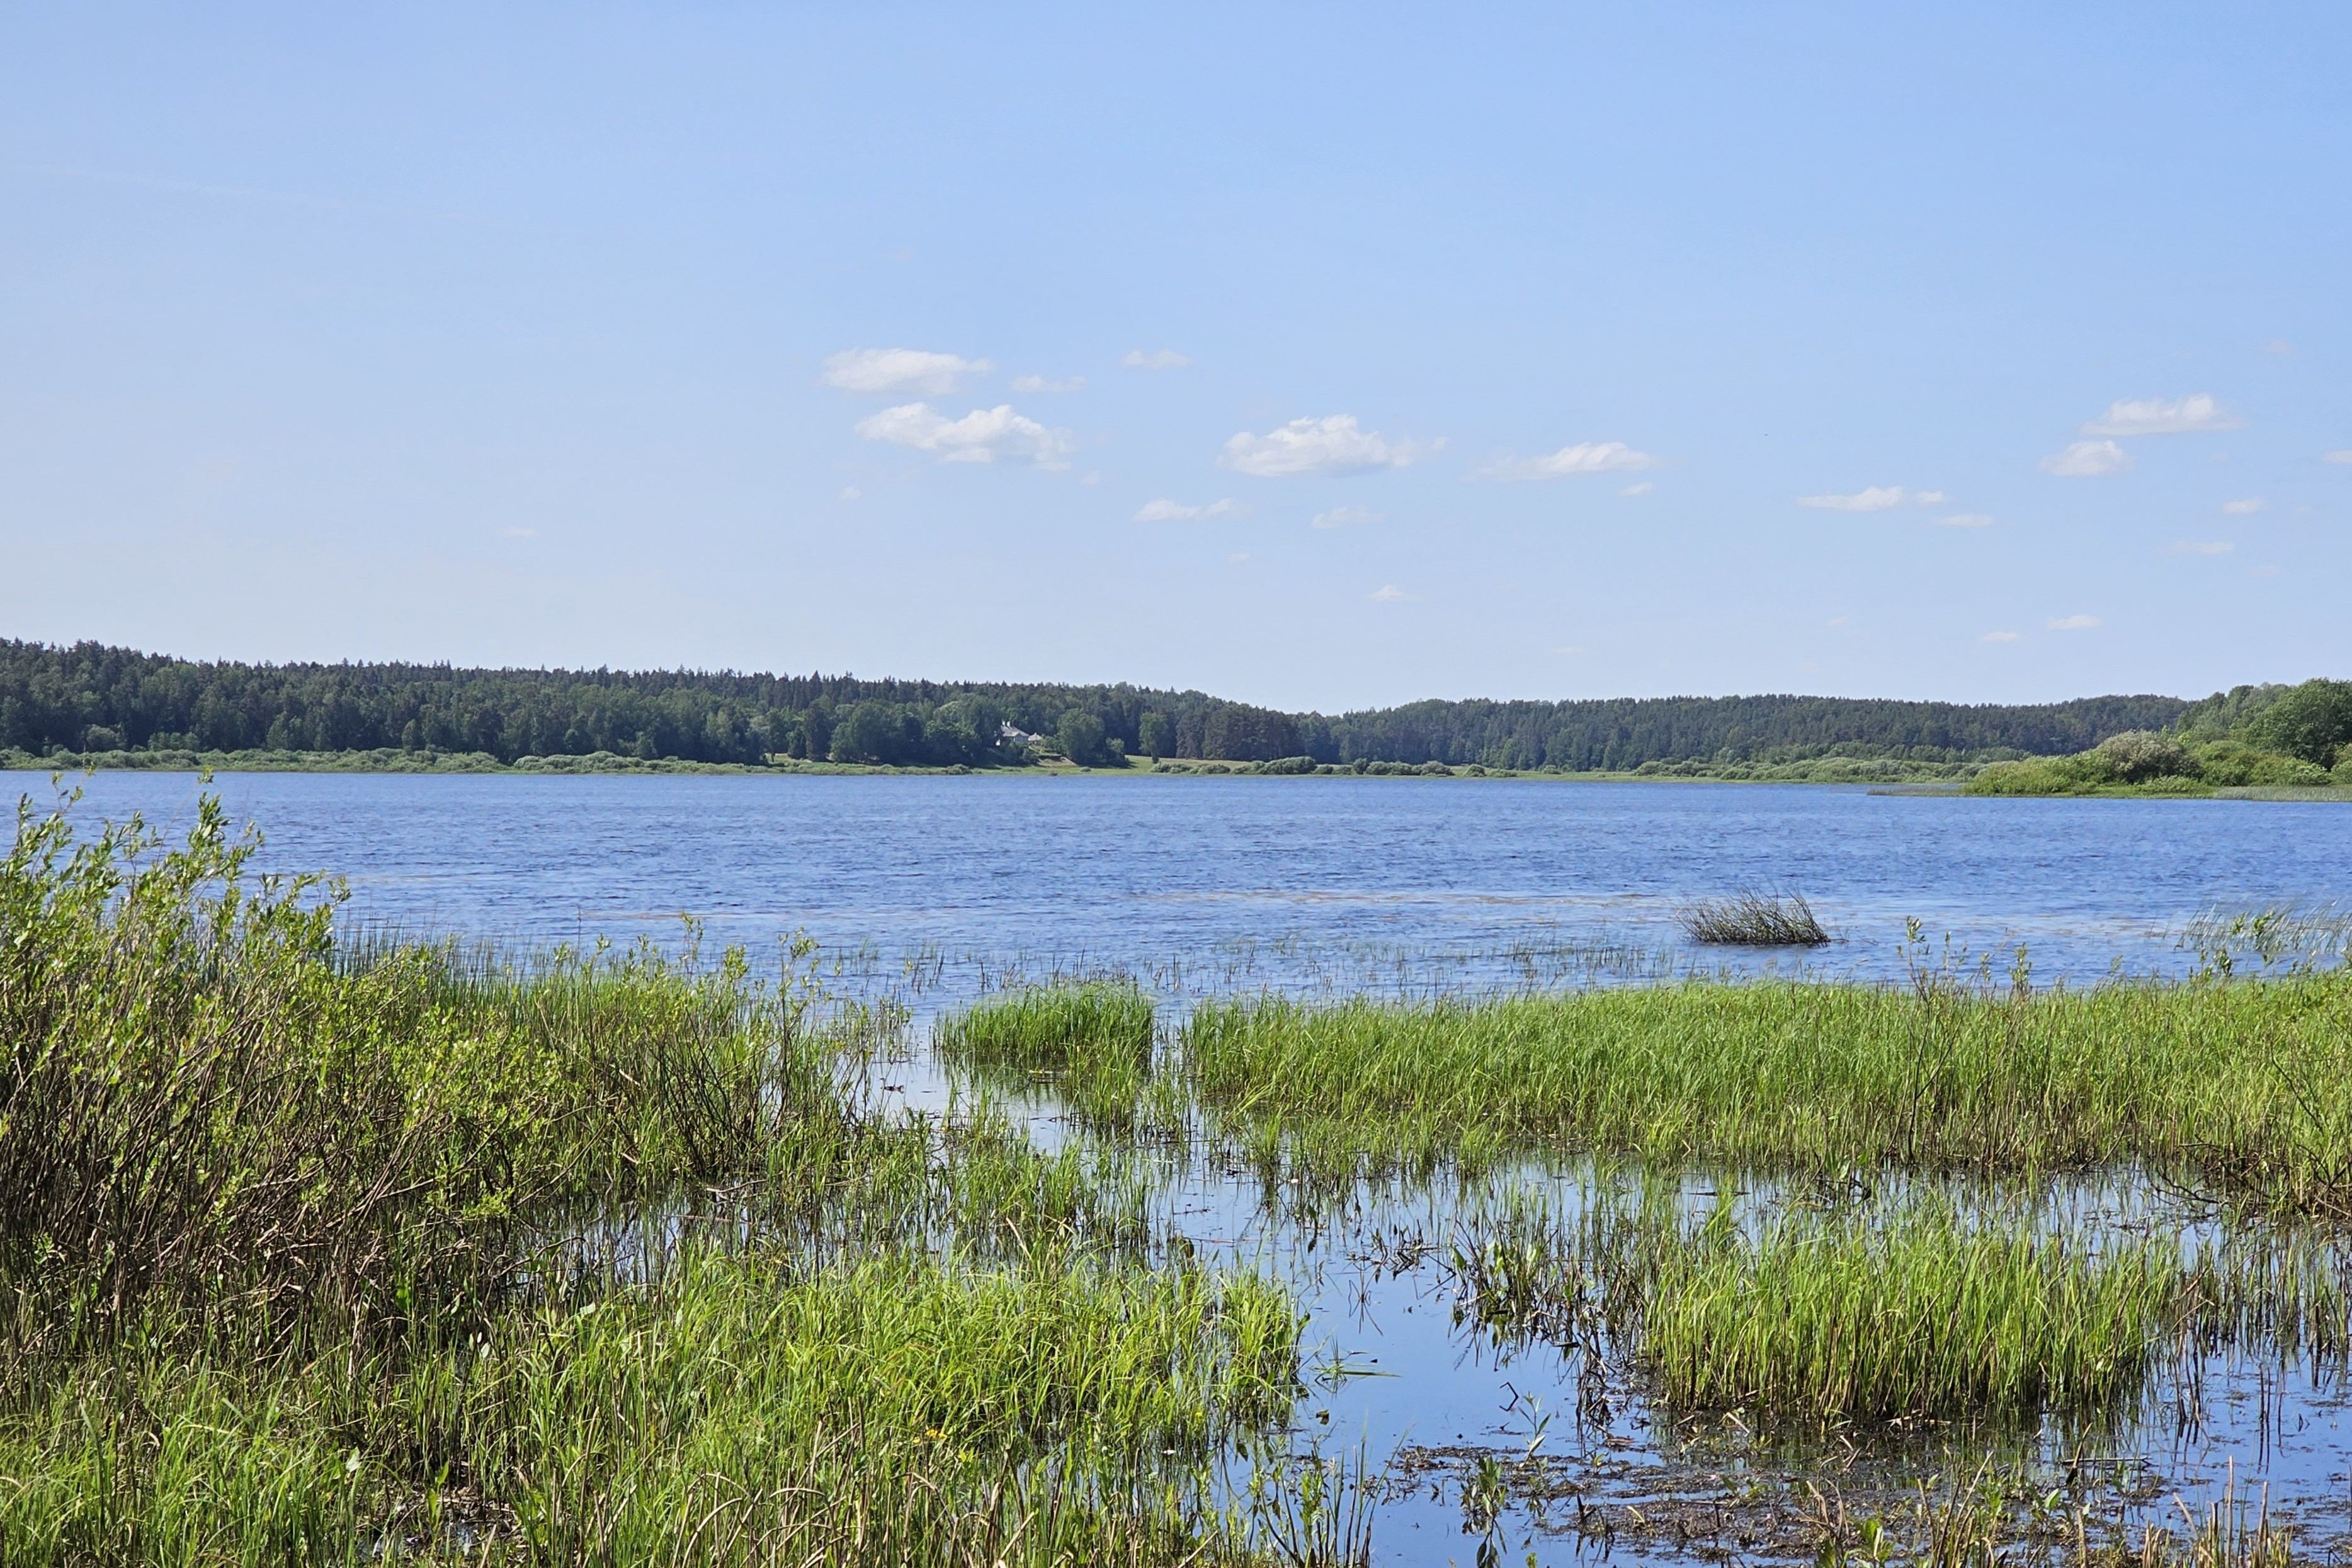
(2140, 754)
(2237, 764)
(2085, 773)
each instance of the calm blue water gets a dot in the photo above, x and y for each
(1199, 884)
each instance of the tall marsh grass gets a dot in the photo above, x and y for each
(1910, 1314)
(1092, 1041)
(1051, 1028)
(314, 1252)
(2246, 1085)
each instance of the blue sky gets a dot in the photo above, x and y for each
(1320, 357)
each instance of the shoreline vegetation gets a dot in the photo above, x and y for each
(325, 1248)
(89, 706)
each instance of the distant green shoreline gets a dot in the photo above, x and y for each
(1892, 778)
(1837, 771)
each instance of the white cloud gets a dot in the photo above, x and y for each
(1876, 498)
(2073, 623)
(1158, 359)
(979, 437)
(1838, 620)
(2278, 346)
(850, 492)
(2200, 547)
(899, 370)
(1164, 510)
(2344, 456)
(2002, 637)
(1238, 557)
(1966, 519)
(2245, 508)
(1390, 595)
(2163, 417)
(1331, 446)
(1641, 487)
(1929, 498)
(1583, 458)
(1570, 649)
(2263, 571)
(1341, 516)
(2087, 460)
(1039, 384)
(519, 533)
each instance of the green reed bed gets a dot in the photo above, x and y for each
(1917, 1313)
(1093, 1042)
(1051, 1028)
(2247, 1084)
(1930, 1300)
(739, 1411)
(309, 1251)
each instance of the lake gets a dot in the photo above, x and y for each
(932, 889)
(1204, 884)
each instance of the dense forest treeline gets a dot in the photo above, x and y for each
(90, 699)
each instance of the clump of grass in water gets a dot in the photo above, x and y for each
(1754, 920)
(1093, 1041)
(1914, 1313)
(2245, 1086)
(1052, 1028)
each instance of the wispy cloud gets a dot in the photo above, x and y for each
(1966, 519)
(1165, 511)
(1638, 487)
(2087, 460)
(851, 492)
(2199, 547)
(519, 533)
(1876, 498)
(1039, 384)
(1158, 359)
(1343, 516)
(1390, 595)
(2163, 417)
(2073, 623)
(1330, 446)
(979, 437)
(2278, 346)
(899, 370)
(2244, 508)
(2002, 637)
(2340, 456)
(1929, 498)
(1583, 458)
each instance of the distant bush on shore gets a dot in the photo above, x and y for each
(2300, 738)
